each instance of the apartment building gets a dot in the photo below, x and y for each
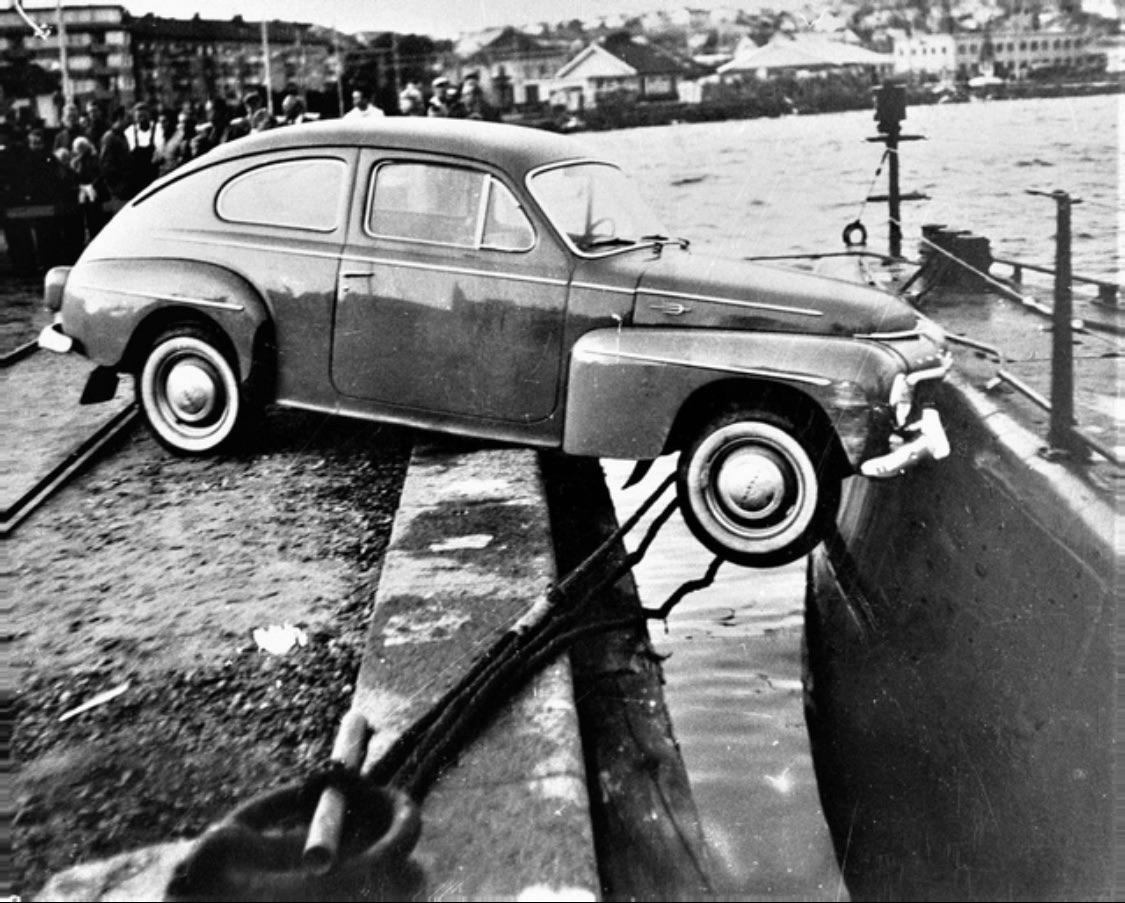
(1005, 54)
(112, 56)
(95, 42)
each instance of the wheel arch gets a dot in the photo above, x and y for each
(253, 349)
(708, 400)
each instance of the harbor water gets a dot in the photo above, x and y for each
(788, 186)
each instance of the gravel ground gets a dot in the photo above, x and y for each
(22, 314)
(153, 571)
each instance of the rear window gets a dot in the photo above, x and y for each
(291, 194)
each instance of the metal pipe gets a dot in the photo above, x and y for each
(327, 825)
(1062, 337)
(1019, 265)
(894, 203)
(1019, 385)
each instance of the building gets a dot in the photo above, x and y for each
(514, 68)
(619, 66)
(177, 60)
(925, 55)
(1013, 55)
(118, 58)
(94, 40)
(789, 53)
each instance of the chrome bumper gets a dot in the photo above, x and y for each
(52, 338)
(930, 444)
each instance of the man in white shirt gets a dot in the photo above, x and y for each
(362, 108)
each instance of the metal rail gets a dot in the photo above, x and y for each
(1037, 398)
(17, 354)
(1107, 291)
(822, 255)
(84, 453)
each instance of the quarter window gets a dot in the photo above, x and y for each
(292, 194)
(447, 205)
(505, 225)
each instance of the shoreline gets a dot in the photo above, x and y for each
(786, 97)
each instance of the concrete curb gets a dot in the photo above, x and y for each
(1084, 506)
(470, 551)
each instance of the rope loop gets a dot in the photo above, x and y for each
(256, 852)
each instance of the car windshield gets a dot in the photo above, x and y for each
(597, 207)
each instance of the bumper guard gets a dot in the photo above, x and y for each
(930, 444)
(53, 339)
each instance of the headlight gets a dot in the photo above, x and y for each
(902, 399)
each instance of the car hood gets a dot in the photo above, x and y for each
(687, 289)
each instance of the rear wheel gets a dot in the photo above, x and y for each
(757, 487)
(189, 392)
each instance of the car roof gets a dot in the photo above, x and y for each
(515, 149)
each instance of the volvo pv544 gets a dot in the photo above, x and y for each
(495, 281)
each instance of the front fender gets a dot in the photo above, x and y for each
(626, 387)
(106, 302)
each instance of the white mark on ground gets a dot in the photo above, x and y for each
(472, 541)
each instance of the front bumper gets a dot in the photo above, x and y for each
(52, 338)
(930, 444)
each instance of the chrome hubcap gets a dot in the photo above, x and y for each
(751, 484)
(192, 391)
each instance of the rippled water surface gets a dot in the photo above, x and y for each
(780, 186)
(761, 187)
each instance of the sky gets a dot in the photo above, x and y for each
(439, 18)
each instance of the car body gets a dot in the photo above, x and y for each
(499, 282)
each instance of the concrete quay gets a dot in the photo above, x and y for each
(470, 550)
(959, 634)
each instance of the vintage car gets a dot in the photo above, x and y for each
(499, 282)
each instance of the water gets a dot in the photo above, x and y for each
(787, 186)
(782, 186)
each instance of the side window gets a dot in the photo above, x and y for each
(423, 202)
(447, 205)
(293, 194)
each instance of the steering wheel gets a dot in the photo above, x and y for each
(591, 237)
(592, 228)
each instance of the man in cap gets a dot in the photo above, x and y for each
(446, 99)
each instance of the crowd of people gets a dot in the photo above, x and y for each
(58, 189)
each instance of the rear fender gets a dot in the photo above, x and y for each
(630, 389)
(114, 308)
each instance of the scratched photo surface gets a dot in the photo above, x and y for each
(920, 708)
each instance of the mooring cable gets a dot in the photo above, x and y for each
(221, 866)
(471, 696)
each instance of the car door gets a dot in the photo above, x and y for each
(450, 298)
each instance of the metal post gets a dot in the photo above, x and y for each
(395, 60)
(1061, 434)
(62, 51)
(267, 75)
(894, 200)
(339, 71)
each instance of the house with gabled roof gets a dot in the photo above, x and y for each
(620, 65)
(513, 67)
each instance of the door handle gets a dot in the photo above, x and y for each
(356, 274)
(672, 308)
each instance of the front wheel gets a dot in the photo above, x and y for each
(189, 393)
(757, 488)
